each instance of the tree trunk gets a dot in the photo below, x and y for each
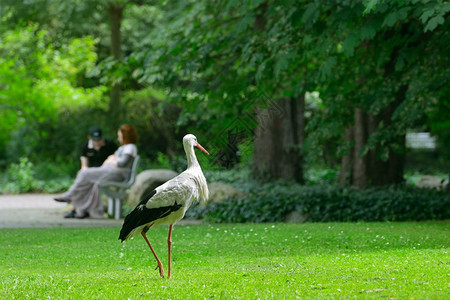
(279, 138)
(297, 106)
(115, 12)
(360, 170)
(346, 172)
(371, 170)
(448, 185)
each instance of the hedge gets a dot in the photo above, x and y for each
(273, 202)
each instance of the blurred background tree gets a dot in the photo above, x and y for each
(238, 74)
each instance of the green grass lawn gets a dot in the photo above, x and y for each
(230, 261)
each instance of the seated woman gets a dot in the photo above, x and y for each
(84, 194)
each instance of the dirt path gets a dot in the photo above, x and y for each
(40, 210)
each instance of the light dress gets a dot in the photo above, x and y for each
(84, 192)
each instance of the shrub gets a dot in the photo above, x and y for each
(20, 177)
(25, 177)
(56, 185)
(326, 203)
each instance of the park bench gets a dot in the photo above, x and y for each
(117, 191)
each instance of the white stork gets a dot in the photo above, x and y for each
(168, 203)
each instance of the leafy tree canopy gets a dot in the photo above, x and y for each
(37, 80)
(223, 58)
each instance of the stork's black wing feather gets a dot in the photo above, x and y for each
(142, 215)
(146, 198)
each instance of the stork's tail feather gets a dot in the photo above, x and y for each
(142, 215)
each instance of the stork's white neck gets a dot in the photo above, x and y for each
(190, 156)
(195, 169)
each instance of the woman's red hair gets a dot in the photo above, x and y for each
(129, 134)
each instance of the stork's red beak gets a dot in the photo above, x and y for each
(201, 148)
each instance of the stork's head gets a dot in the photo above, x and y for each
(191, 141)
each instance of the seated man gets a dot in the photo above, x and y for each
(94, 152)
(97, 149)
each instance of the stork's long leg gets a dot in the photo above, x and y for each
(160, 266)
(169, 243)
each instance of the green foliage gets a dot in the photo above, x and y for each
(273, 202)
(427, 161)
(162, 161)
(56, 185)
(396, 36)
(41, 82)
(321, 176)
(48, 177)
(233, 176)
(230, 261)
(155, 119)
(431, 13)
(238, 56)
(21, 177)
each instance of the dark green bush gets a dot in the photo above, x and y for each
(47, 176)
(272, 202)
